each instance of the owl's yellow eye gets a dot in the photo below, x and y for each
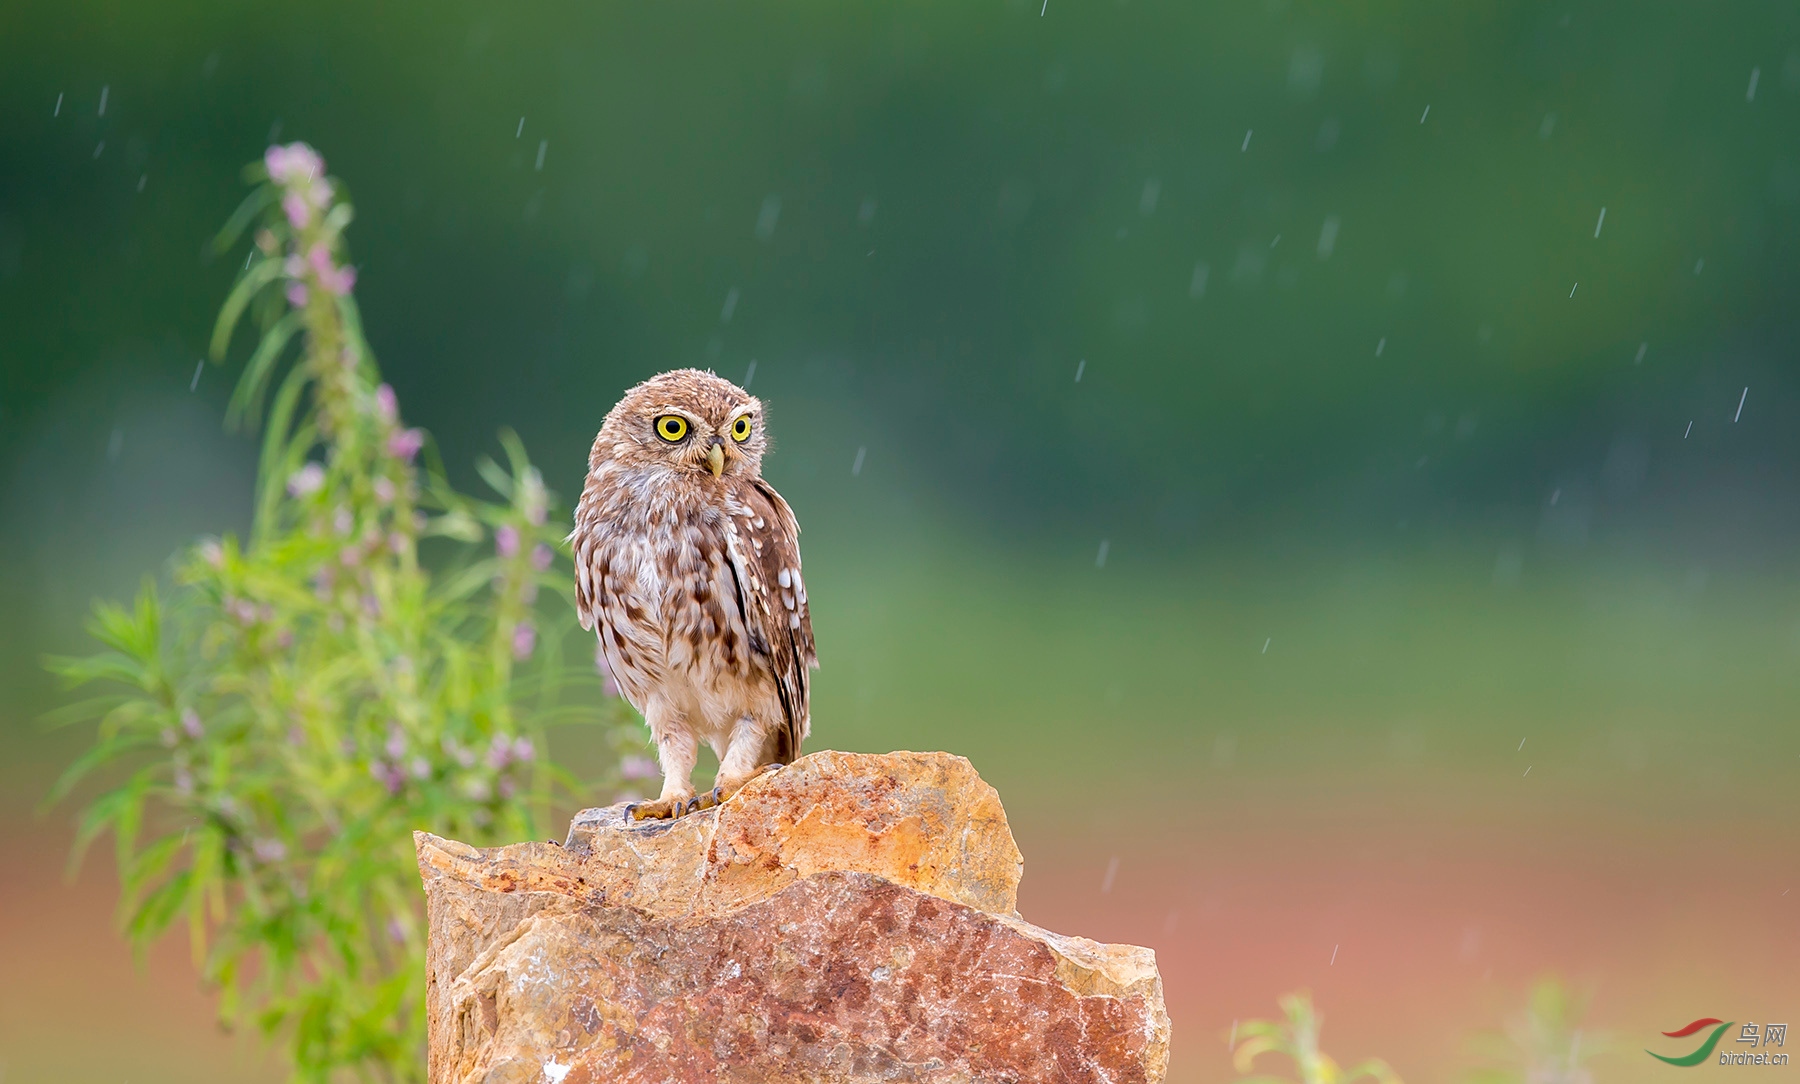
(740, 429)
(671, 427)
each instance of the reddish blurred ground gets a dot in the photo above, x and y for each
(73, 1004)
(1438, 922)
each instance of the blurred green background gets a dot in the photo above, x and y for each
(1332, 466)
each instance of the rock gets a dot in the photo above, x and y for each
(849, 918)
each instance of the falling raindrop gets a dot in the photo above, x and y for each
(1247, 133)
(57, 112)
(1750, 94)
(543, 147)
(856, 467)
(1600, 223)
(1080, 367)
(1380, 346)
(1572, 289)
(1740, 409)
(105, 90)
(768, 216)
(198, 365)
(1640, 354)
(749, 374)
(1266, 644)
(1112, 870)
(521, 130)
(1152, 192)
(1328, 237)
(731, 300)
(1100, 558)
(1425, 114)
(100, 147)
(143, 179)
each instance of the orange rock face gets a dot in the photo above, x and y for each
(849, 918)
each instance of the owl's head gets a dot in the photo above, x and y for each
(688, 421)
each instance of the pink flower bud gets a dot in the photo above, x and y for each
(406, 443)
(307, 480)
(387, 402)
(190, 723)
(636, 767)
(296, 294)
(299, 212)
(541, 556)
(506, 540)
(524, 640)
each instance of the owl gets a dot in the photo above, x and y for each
(687, 566)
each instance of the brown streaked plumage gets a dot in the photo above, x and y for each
(687, 566)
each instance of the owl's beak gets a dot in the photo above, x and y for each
(715, 459)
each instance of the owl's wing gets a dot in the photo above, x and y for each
(766, 559)
(605, 602)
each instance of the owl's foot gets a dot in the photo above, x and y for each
(663, 808)
(727, 787)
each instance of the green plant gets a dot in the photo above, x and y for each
(287, 711)
(1297, 1036)
(1542, 1044)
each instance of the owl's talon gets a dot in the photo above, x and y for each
(661, 809)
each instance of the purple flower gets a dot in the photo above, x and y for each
(298, 210)
(500, 752)
(524, 640)
(212, 553)
(421, 768)
(308, 479)
(270, 850)
(343, 520)
(523, 749)
(390, 775)
(506, 540)
(338, 280)
(396, 742)
(396, 932)
(636, 767)
(541, 556)
(296, 294)
(406, 443)
(384, 491)
(190, 723)
(387, 402)
(293, 162)
(397, 543)
(318, 257)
